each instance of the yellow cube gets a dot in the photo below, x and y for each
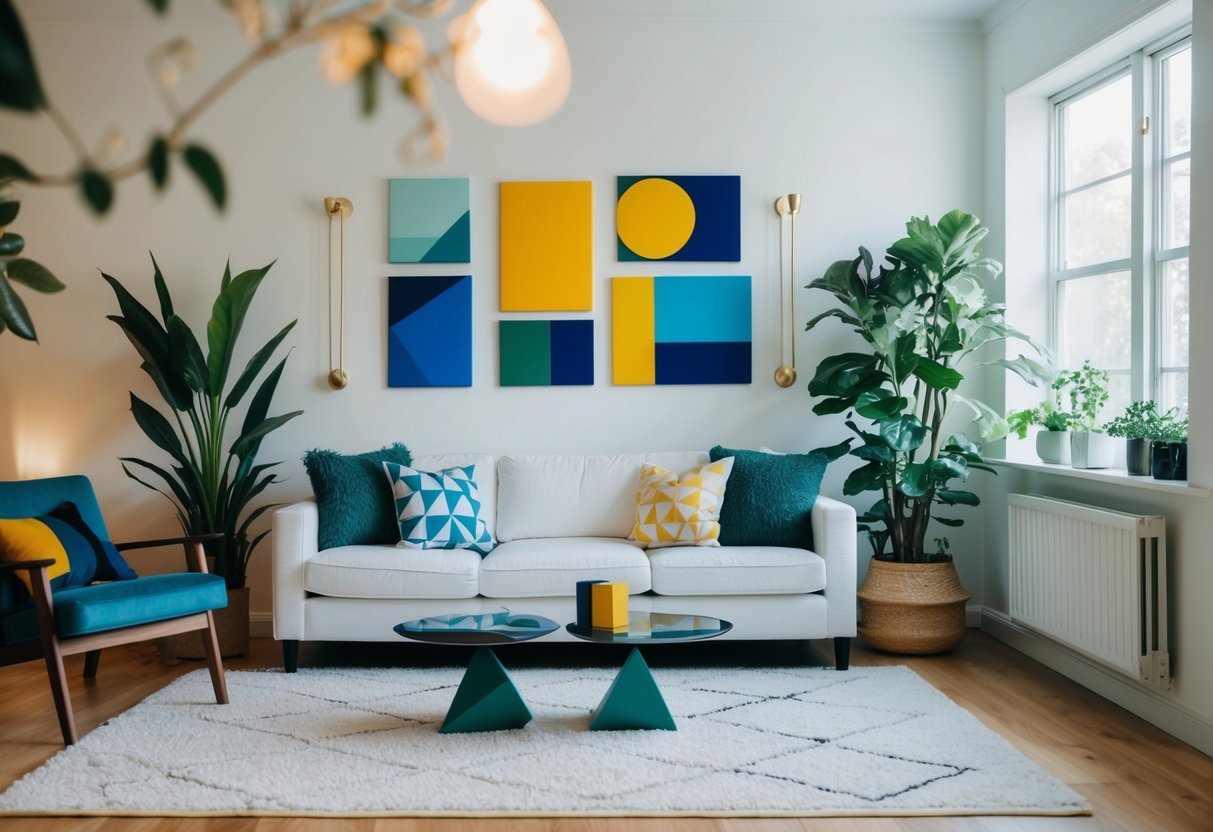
(609, 607)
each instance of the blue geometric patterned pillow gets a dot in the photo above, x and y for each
(438, 510)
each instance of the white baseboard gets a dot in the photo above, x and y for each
(1151, 705)
(973, 615)
(261, 624)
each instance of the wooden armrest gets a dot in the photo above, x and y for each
(169, 541)
(28, 565)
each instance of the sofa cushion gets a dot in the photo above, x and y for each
(559, 495)
(354, 504)
(541, 567)
(736, 570)
(486, 478)
(438, 509)
(389, 572)
(680, 509)
(769, 501)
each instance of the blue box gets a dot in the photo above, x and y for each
(584, 615)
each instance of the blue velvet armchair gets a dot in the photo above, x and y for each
(65, 589)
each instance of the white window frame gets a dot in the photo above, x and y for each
(1147, 189)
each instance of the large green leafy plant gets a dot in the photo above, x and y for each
(213, 477)
(920, 316)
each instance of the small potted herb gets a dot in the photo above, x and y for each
(1087, 389)
(1139, 421)
(1052, 443)
(1169, 448)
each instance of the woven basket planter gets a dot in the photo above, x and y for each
(913, 608)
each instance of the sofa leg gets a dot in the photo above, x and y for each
(842, 652)
(290, 655)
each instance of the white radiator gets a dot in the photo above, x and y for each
(1093, 579)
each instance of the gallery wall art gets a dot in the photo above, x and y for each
(429, 221)
(681, 330)
(546, 353)
(689, 218)
(546, 247)
(429, 331)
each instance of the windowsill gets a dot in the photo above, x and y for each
(1110, 476)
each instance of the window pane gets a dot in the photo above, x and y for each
(1097, 224)
(1095, 321)
(1173, 314)
(1097, 131)
(1178, 198)
(1177, 75)
(1118, 396)
(1173, 391)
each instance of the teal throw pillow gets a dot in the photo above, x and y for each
(770, 498)
(440, 509)
(354, 506)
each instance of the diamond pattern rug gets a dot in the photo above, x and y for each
(364, 741)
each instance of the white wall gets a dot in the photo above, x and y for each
(1037, 38)
(871, 121)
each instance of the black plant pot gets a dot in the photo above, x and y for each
(1170, 460)
(1137, 457)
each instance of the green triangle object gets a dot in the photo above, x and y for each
(633, 701)
(486, 700)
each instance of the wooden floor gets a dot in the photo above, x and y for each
(1135, 776)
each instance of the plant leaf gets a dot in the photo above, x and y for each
(904, 434)
(8, 211)
(19, 84)
(869, 477)
(368, 86)
(97, 191)
(33, 275)
(251, 440)
(833, 452)
(11, 168)
(157, 428)
(184, 348)
(227, 317)
(257, 412)
(13, 312)
(150, 340)
(160, 6)
(1033, 372)
(951, 498)
(157, 162)
(880, 404)
(936, 375)
(162, 293)
(11, 244)
(206, 167)
(254, 366)
(183, 497)
(949, 521)
(914, 481)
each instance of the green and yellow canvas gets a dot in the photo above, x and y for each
(429, 221)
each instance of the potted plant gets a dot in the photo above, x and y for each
(1139, 421)
(1052, 443)
(214, 476)
(920, 316)
(1169, 447)
(1087, 388)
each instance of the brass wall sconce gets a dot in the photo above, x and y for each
(787, 205)
(339, 209)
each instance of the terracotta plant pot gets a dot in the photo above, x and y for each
(1053, 446)
(913, 608)
(231, 626)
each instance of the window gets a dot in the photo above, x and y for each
(1119, 224)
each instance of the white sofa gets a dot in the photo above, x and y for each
(559, 519)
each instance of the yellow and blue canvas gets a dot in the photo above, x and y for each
(681, 330)
(693, 218)
(428, 221)
(429, 340)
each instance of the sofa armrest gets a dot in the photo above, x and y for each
(296, 536)
(834, 539)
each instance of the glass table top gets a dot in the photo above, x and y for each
(477, 628)
(650, 627)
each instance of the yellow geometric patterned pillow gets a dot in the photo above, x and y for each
(680, 510)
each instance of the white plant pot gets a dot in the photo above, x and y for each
(1091, 450)
(1053, 446)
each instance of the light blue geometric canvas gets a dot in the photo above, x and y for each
(429, 221)
(438, 510)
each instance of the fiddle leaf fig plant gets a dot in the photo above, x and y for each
(213, 478)
(920, 316)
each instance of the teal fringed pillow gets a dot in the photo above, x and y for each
(770, 498)
(354, 505)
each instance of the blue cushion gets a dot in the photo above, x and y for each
(93, 609)
(770, 497)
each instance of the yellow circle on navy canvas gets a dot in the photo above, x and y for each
(655, 218)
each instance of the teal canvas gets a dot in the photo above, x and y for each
(769, 498)
(429, 221)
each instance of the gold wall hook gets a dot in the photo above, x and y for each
(787, 205)
(339, 209)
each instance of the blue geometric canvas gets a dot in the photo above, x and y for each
(428, 221)
(429, 331)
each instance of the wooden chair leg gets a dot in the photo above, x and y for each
(91, 659)
(214, 660)
(54, 658)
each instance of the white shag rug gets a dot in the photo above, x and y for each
(364, 742)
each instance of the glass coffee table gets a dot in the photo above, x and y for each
(634, 701)
(487, 699)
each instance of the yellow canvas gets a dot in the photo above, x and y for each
(633, 331)
(546, 247)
